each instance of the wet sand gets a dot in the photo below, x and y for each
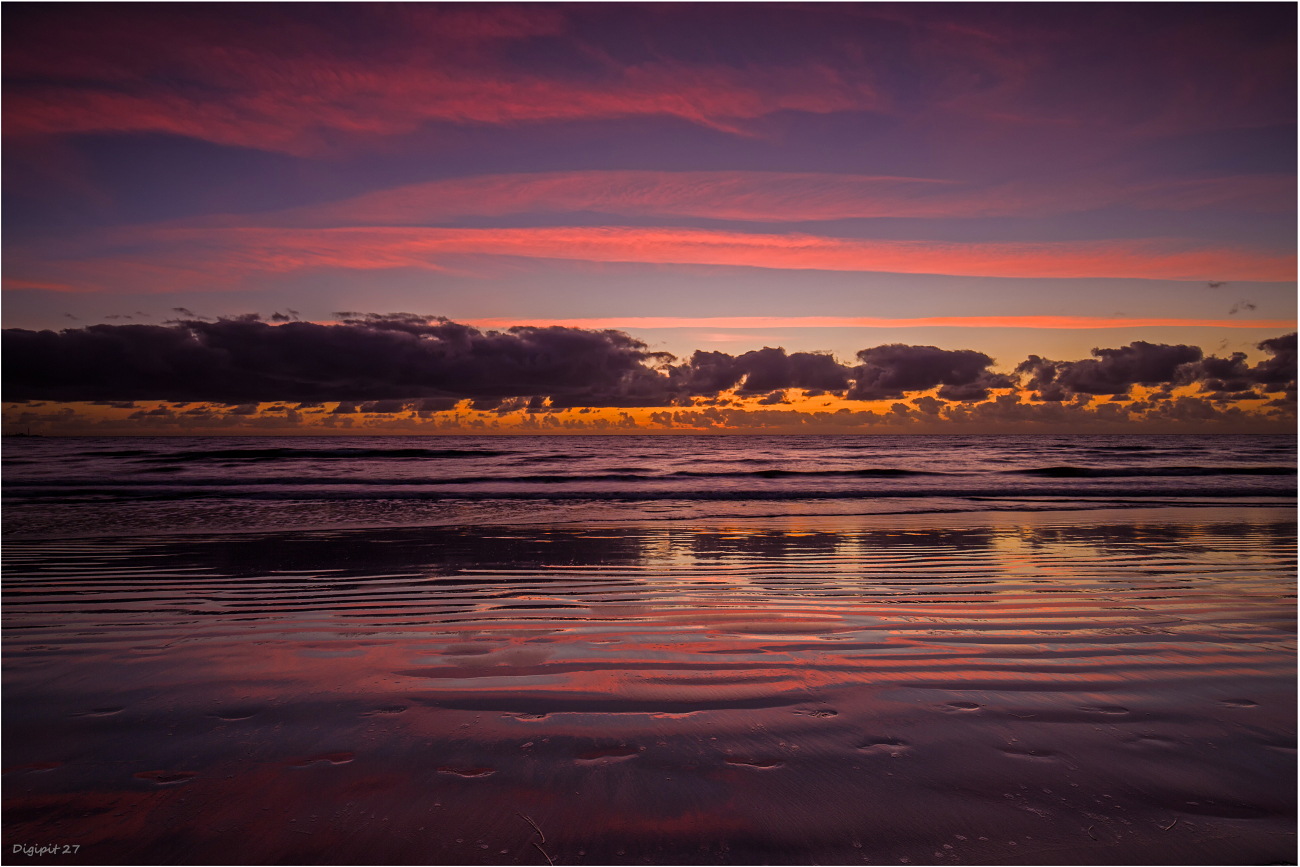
(1072, 688)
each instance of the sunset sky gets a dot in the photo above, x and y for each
(864, 217)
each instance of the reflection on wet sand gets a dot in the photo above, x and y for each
(1038, 690)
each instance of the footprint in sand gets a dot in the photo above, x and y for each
(33, 766)
(339, 758)
(761, 764)
(1238, 702)
(236, 714)
(166, 778)
(467, 772)
(1038, 755)
(614, 753)
(1153, 740)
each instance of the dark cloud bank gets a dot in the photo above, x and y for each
(389, 362)
(1112, 372)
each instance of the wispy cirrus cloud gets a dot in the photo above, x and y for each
(191, 75)
(1075, 142)
(297, 79)
(172, 258)
(297, 110)
(783, 197)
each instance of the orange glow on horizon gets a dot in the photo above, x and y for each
(732, 414)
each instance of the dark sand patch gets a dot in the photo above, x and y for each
(467, 650)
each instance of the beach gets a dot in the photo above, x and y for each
(628, 434)
(1104, 684)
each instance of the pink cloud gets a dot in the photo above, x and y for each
(207, 78)
(779, 196)
(290, 111)
(278, 79)
(15, 283)
(174, 258)
(380, 248)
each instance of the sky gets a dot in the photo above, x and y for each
(595, 218)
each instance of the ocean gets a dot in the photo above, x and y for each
(88, 486)
(598, 650)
